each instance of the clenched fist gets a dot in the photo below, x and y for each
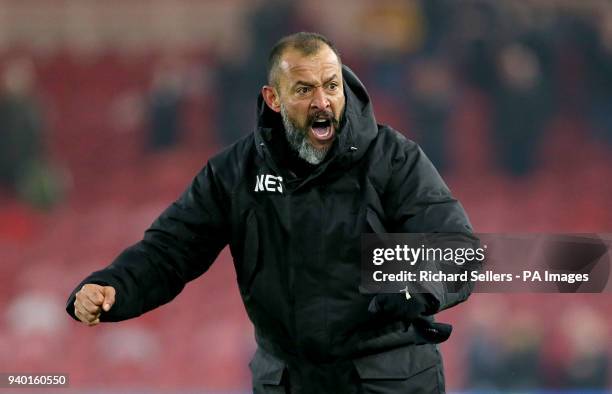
(91, 300)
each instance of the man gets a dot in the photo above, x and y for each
(292, 201)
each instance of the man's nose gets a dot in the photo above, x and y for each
(319, 99)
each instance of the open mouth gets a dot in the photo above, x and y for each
(322, 129)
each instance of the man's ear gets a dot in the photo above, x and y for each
(270, 96)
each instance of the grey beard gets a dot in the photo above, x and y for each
(298, 140)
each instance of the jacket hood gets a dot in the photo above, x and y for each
(357, 130)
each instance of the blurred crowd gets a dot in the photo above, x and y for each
(531, 63)
(517, 92)
(535, 349)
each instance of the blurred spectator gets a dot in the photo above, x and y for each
(430, 103)
(390, 31)
(472, 37)
(483, 356)
(588, 336)
(242, 72)
(389, 28)
(598, 48)
(483, 360)
(23, 166)
(20, 122)
(165, 106)
(522, 106)
(521, 367)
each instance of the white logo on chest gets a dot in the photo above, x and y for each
(269, 183)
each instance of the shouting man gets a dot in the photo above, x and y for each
(292, 200)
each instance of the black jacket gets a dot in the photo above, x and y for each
(296, 240)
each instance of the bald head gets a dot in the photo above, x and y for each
(306, 44)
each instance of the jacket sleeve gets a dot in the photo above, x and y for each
(180, 245)
(418, 201)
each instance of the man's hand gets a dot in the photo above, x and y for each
(397, 307)
(91, 301)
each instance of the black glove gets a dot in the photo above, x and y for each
(397, 307)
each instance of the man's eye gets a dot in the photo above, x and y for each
(303, 90)
(333, 86)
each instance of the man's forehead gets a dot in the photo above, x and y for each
(296, 64)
